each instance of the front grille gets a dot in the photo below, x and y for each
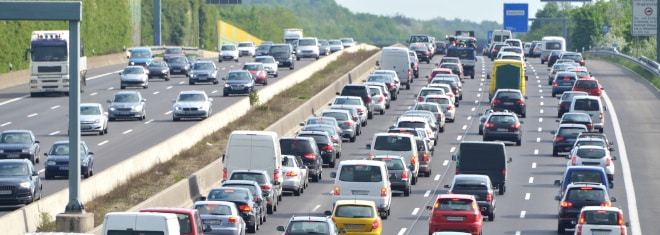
(190, 109)
(123, 109)
(13, 150)
(7, 187)
(49, 69)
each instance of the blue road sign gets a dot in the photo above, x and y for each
(489, 36)
(516, 17)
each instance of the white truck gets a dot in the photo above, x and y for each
(49, 63)
(292, 35)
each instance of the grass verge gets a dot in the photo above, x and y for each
(635, 68)
(163, 175)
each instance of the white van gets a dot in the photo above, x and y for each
(135, 223)
(551, 43)
(254, 150)
(363, 180)
(500, 35)
(308, 48)
(397, 59)
(400, 144)
(590, 105)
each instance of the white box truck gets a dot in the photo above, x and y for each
(136, 223)
(292, 35)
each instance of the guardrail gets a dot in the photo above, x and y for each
(644, 62)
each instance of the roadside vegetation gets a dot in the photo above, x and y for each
(635, 68)
(262, 115)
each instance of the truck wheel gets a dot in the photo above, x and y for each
(502, 189)
(408, 86)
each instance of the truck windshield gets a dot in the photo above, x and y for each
(49, 53)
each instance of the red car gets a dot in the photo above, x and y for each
(591, 86)
(438, 71)
(455, 212)
(258, 72)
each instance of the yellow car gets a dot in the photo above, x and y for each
(358, 217)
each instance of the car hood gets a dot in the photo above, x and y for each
(157, 69)
(245, 48)
(228, 52)
(133, 77)
(58, 158)
(125, 104)
(280, 55)
(89, 118)
(15, 146)
(203, 72)
(190, 104)
(178, 64)
(8, 180)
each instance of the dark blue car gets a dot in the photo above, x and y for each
(238, 82)
(563, 82)
(57, 162)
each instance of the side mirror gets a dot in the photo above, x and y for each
(429, 207)
(337, 93)
(613, 199)
(35, 173)
(557, 182)
(302, 124)
(327, 213)
(526, 78)
(276, 183)
(557, 198)
(368, 146)
(280, 228)
(446, 186)
(557, 120)
(453, 157)
(333, 175)
(488, 76)
(90, 153)
(329, 104)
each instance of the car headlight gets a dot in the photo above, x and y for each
(84, 162)
(227, 85)
(193, 75)
(25, 184)
(298, 51)
(50, 163)
(111, 109)
(25, 150)
(136, 108)
(97, 121)
(176, 108)
(164, 71)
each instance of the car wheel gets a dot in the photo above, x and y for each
(123, 87)
(407, 86)
(414, 180)
(225, 94)
(352, 139)
(481, 132)
(561, 229)
(600, 130)
(364, 123)
(269, 209)
(384, 216)
(101, 132)
(370, 115)
(491, 216)
(518, 142)
(406, 192)
(265, 82)
(382, 112)
(253, 228)
(105, 131)
(554, 95)
(442, 129)
(555, 153)
(502, 189)
(219, 61)
(332, 164)
(276, 74)
(315, 178)
(176, 119)
(297, 192)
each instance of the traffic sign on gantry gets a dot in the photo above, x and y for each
(644, 17)
(516, 17)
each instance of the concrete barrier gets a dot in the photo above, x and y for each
(27, 218)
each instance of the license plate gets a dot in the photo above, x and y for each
(124, 113)
(508, 103)
(354, 226)
(360, 192)
(64, 168)
(13, 155)
(454, 218)
(594, 232)
(570, 140)
(176, 71)
(202, 78)
(5, 192)
(85, 127)
(502, 129)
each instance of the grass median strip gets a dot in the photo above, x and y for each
(143, 186)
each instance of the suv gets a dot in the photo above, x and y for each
(311, 224)
(589, 155)
(361, 91)
(577, 196)
(19, 144)
(269, 187)
(565, 137)
(509, 99)
(604, 220)
(480, 187)
(503, 126)
(20, 181)
(307, 148)
(283, 53)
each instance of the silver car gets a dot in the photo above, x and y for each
(191, 104)
(269, 63)
(295, 175)
(134, 76)
(223, 217)
(349, 128)
(203, 71)
(93, 119)
(446, 103)
(591, 155)
(335, 45)
(127, 105)
(355, 102)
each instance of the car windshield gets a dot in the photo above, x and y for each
(14, 169)
(239, 76)
(454, 204)
(354, 211)
(252, 67)
(140, 54)
(425, 92)
(173, 51)
(379, 78)
(134, 70)
(502, 119)
(307, 227)
(306, 42)
(333, 42)
(179, 59)
(265, 60)
(257, 177)
(467, 186)
(203, 66)
(60, 149)
(16, 138)
(158, 64)
(191, 97)
(279, 49)
(576, 118)
(593, 153)
(245, 44)
(126, 98)
(228, 195)
(411, 124)
(349, 101)
(228, 48)
(90, 110)
(213, 209)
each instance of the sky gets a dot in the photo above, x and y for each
(471, 10)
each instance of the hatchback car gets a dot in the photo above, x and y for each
(388, 80)
(160, 69)
(324, 144)
(295, 174)
(238, 82)
(509, 99)
(574, 56)
(223, 217)
(270, 64)
(448, 108)
(16, 144)
(173, 51)
(228, 52)
(353, 101)
(302, 225)
(324, 47)
(423, 52)
(400, 175)
(577, 118)
(254, 187)
(243, 199)
(604, 220)
(203, 71)
(591, 86)
(565, 137)
(455, 68)
(503, 126)
(357, 217)
(134, 76)
(258, 72)
(424, 91)
(585, 155)
(332, 130)
(482, 119)
(57, 160)
(563, 82)
(335, 45)
(20, 182)
(308, 150)
(566, 99)
(268, 187)
(191, 104)
(455, 212)
(379, 99)
(430, 106)
(93, 119)
(179, 65)
(127, 105)
(436, 124)
(480, 187)
(577, 196)
(452, 80)
(552, 72)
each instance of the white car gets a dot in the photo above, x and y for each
(591, 155)
(191, 104)
(378, 99)
(228, 52)
(604, 220)
(447, 88)
(446, 103)
(269, 63)
(295, 175)
(247, 49)
(93, 118)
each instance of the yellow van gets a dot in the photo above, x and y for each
(507, 74)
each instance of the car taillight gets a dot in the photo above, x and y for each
(489, 125)
(380, 98)
(456, 91)
(563, 105)
(600, 116)
(622, 225)
(581, 220)
(404, 175)
(457, 171)
(559, 138)
(336, 191)
(375, 224)
(368, 100)
(361, 109)
(489, 197)
(244, 208)
(496, 101)
(383, 192)
(581, 62)
(554, 72)
(389, 85)
(232, 219)
(348, 123)
(413, 160)
(520, 102)
(449, 108)
(425, 157)
(420, 98)
(504, 172)
(276, 175)
(515, 126)
(354, 116)
(409, 72)
(574, 161)
(224, 173)
(607, 204)
(565, 204)
(556, 84)
(334, 138)
(589, 126)
(291, 173)
(265, 187)
(327, 147)
(310, 156)
(608, 161)
(494, 50)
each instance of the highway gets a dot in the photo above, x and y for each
(528, 206)
(47, 116)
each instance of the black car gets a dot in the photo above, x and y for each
(57, 160)
(179, 65)
(565, 137)
(503, 126)
(269, 188)
(579, 195)
(324, 143)
(495, 49)
(255, 189)
(19, 182)
(577, 118)
(553, 57)
(16, 144)
(307, 148)
(509, 99)
(335, 135)
(478, 185)
(362, 91)
(263, 49)
(238, 82)
(283, 53)
(243, 199)
(159, 69)
(423, 53)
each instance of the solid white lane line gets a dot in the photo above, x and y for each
(527, 196)
(54, 107)
(127, 131)
(402, 231)
(633, 215)
(536, 152)
(531, 180)
(414, 212)
(464, 127)
(436, 178)
(32, 115)
(538, 139)
(54, 133)
(427, 193)
(533, 165)
(522, 214)
(316, 207)
(445, 162)
(102, 143)
(5, 124)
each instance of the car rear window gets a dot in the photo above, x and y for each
(295, 146)
(571, 131)
(470, 187)
(454, 204)
(591, 153)
(406, 124)
(586, 84)
(228, 194)
(586, 105)
(320, 139)
(257, 177)
(360, 173)
(428, 107)
(601, 217)
(509, 95)
(354, 211)
(393, 143)
(346, 100)
(213, 209)
(307, 227)
(252, 188)
(426, 92)
(585, 194)
(585, 176)
(353, 91)
(338, 116)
